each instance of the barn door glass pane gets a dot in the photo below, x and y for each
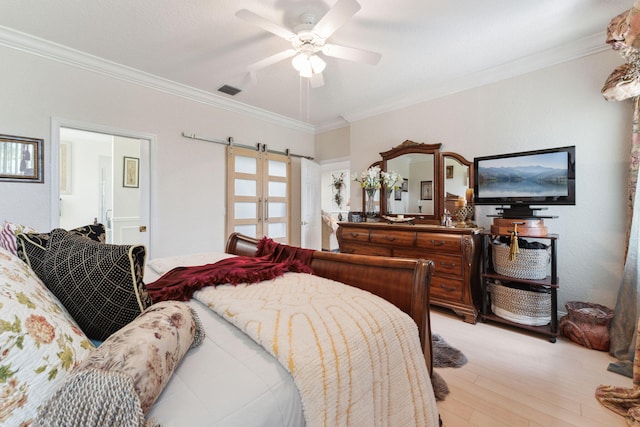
(277, 168)
(278, 230)
(247, 230)
(277, 189)
(246, 187)
(246, 165)
(277, 210)
(245, 210)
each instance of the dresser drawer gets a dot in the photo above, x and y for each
(364, 249)
(355, 234)
(394, 238)
(446, 264)
(446, 288)
(439, 242)
(411, 253)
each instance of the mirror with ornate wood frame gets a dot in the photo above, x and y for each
(432, 181)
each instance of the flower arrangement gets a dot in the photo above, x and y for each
(372, 179)
(369, 180)
(392, 180)
(337, 184)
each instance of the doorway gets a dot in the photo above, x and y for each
(101, 175)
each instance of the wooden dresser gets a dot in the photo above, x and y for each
(455, 252)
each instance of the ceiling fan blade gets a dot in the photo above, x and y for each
(351, 54)
(336, 17)
(265, 24)
(316, 80)
(270, 60)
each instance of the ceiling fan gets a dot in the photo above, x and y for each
(310, 38)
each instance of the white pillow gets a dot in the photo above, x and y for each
(39, 342)
(163, 265)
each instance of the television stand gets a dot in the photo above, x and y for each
(519, 212)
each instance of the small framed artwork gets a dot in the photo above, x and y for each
(131, 172)
(397, 194)
(405, 185)
(426, 190)
(449, 172)
(22, 159)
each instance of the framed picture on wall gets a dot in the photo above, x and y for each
(405, 185)
(131, 176)
(449, 171)
(397, 194)
(21, 159)
(426, 190)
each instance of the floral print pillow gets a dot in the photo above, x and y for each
(39, 342)
(120, 381)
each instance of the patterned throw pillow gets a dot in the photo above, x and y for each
(32, 247)
(8, 234)
(99, 284)
(39, 342)
(122, 379)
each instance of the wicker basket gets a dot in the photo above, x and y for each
(529, 263)
(520, 305)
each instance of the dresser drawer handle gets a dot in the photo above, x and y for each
(450, 265)
(437, 242)
(354, 234)
(390, 238)
(448, 289)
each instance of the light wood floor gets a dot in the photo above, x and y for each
(514, 378)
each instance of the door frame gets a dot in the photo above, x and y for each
(146, 141)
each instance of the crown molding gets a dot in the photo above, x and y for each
(75, 58)
(56, 52)
(578, 49)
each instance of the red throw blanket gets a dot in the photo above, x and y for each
(272, 260)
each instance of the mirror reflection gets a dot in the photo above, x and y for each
(420, 192)
(456, 182)
(416, 192)
(457, 178)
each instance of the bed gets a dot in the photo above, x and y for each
(269, 395)
(232, 355)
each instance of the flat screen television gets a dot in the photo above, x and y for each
(519, 181)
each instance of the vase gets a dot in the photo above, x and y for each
(370, 209)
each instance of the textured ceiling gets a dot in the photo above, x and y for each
(429, 47)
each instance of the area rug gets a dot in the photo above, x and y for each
(444, 356)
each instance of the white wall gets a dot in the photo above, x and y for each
(188, 177)
(81, 206)
(557, 106)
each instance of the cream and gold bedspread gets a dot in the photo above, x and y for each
(355, 358)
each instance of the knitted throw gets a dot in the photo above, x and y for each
(355, 358)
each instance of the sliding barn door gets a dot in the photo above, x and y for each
(258, 193)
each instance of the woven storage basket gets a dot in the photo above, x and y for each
(520, 305)
(529, 263)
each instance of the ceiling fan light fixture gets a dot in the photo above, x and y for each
(317, 64)
(308, 65)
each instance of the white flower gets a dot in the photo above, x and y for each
(369, 179)
(392, 180)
